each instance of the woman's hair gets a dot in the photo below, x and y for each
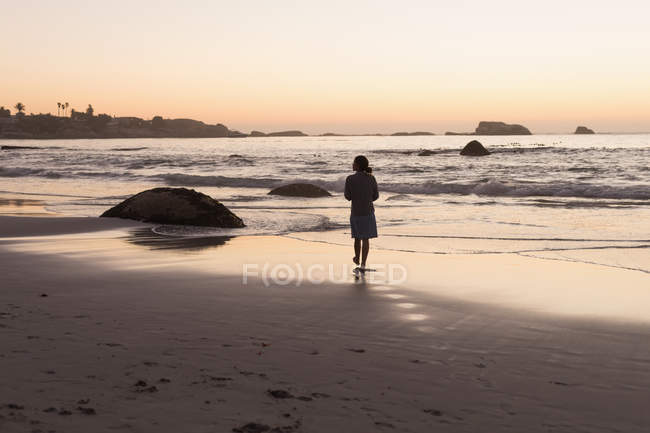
(363, 164)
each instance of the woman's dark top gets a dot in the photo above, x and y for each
(361, 189)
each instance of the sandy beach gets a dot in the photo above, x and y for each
(107, 327)
(317, 217)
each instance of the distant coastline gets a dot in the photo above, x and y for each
(87, 125)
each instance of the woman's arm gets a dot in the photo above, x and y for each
(375, 190)
(347, 193)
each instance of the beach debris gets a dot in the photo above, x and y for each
(474, 148)
(179, 206)
(142, 386)
(164, 380)
(252, 427)
(64, 412)
(300, 190)
(283, 394)
(15, 406)
(83, 401)
(86, 410)
(356, 350)
(252, 373)
(110, 344)
(320, 395)
(205, 378)
(44, 295)
(219, 378)
(434, 412)
(150, 389)
(304, 398)
(50, 410)
(279, 393)
(480, 365)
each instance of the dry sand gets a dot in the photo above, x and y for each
(146, 335)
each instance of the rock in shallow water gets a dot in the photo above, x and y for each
(474, 148)
(300, 190)
(175, 206)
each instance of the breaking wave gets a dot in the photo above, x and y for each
(497, 188)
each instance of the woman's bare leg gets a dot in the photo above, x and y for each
(357, 250)
(364, 252)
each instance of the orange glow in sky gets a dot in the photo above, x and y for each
(339, 66)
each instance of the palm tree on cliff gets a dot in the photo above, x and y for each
(66, 108)
(58, 108)
(20, 107)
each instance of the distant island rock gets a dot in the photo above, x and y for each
(584, 130)
(287, 134)
(500, 128)
(474, 148)
(278, 134)
(426, 152)
(406, 134)
(175, 206)
(300, 190)
(495, 128)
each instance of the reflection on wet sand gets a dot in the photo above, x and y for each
(146, 237)
(22, 206)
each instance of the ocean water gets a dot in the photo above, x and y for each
(557, 197)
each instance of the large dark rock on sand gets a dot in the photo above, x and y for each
(474, 148)
(584, 130)
(300, 190)
(500, 128)
(175, 206)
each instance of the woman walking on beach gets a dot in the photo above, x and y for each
(361, 190)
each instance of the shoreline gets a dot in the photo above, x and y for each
(362, 356)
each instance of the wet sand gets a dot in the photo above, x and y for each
(106, 327)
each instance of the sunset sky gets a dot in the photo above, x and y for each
(341, 66)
